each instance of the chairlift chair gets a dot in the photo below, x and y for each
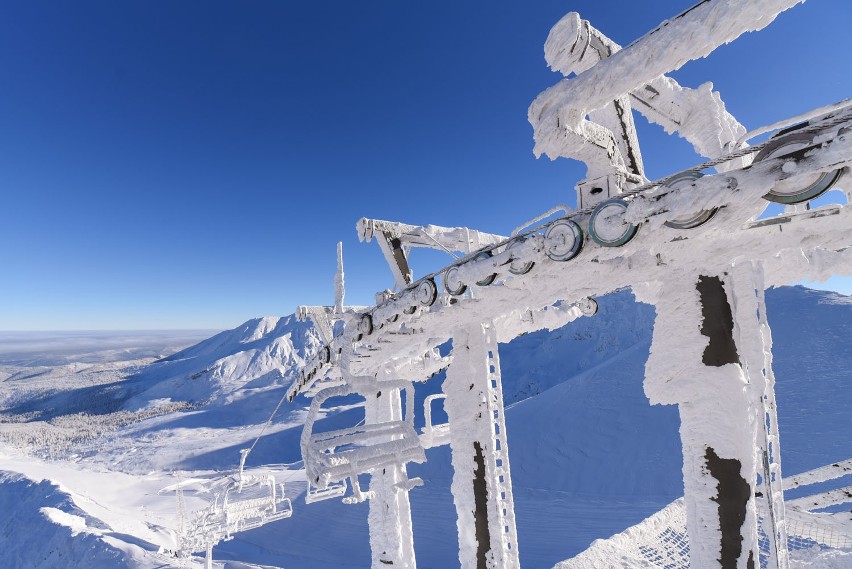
(335, 458)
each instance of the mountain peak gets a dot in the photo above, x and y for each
(262, 352)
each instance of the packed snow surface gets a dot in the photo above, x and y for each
(91, 454)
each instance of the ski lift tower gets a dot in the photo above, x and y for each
(691, 244)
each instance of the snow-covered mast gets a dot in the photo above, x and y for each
(688, 243)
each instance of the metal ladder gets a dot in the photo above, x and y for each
(500, 475)
(772, 483)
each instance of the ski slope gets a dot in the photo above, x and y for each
(590, 456)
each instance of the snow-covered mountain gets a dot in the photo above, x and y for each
(589, 455)
(257, 354)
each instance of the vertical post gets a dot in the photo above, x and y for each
(696, 363)
(339, 285)
(208, 559)
(482, 485)
(391, 534)
(755, 340)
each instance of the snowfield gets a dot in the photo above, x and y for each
(96, 438)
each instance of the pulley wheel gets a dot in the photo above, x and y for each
(800, 189)
(365, 325)
(490, 278)
(516, 266)
(563, 240)
(588, 306)
(426, 293)
(607, 226)
(683, 180)
(452, 283)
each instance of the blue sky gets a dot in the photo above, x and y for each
(192, 164)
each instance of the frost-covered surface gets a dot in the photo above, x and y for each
(662, 266)
(726, 400)
(716, 403)
(698, 115)
(561, 109)
(578, 415)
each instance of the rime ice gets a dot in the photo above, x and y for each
(689, 244)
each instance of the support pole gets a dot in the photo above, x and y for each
(754, 339)
(697, 362)
(391, 534)
(482, 485)
(339, 285)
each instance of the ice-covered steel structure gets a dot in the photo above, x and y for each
(239, 502)
(691, 244)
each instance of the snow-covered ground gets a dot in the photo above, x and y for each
(92, 437)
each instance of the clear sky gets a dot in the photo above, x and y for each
(192, 164)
